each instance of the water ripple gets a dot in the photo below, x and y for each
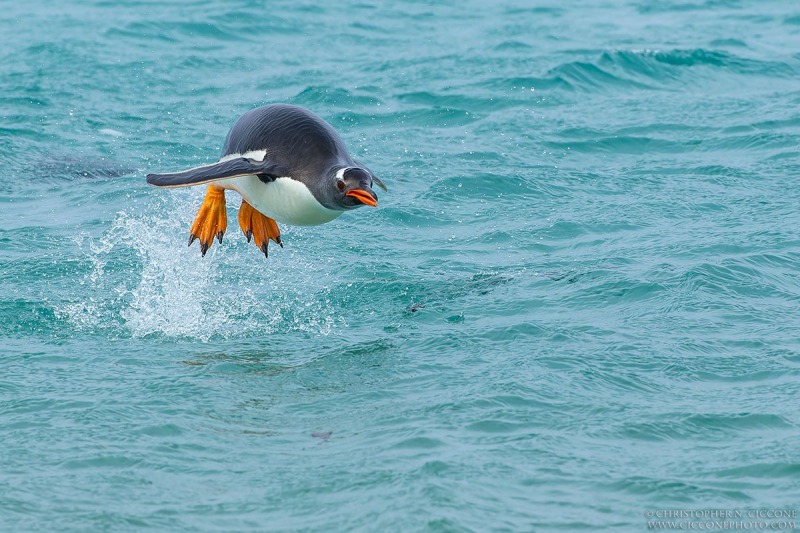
(583, 279)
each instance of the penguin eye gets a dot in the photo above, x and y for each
(340, 185)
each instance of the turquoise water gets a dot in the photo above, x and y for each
(578, 301)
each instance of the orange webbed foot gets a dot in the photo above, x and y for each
(258, 227)
(211, 220)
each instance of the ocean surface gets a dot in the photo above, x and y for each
(578, 303)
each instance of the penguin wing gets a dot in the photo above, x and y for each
(232, 168)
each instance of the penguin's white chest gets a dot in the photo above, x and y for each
(285, 200)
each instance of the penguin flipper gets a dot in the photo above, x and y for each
(232, 168)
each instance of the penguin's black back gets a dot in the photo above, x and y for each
(293, 137)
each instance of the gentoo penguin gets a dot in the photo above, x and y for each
(288, 164)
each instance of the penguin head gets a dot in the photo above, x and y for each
(353, 188)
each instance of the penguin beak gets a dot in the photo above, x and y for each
(366, 197)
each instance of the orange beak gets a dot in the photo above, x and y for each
(363, 196)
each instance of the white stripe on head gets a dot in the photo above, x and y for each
(340, 173)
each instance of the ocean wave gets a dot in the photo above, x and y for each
(621, 144)
(177, 31)
(651, 70)
(697, 5)
(682, 426)
(433, 117)
(334, 97)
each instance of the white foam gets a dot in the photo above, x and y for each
(111, 132)
(145, 281)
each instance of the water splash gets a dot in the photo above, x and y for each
(144, 281)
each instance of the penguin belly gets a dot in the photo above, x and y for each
(285, 200)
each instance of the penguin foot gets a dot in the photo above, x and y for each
(211, 220)
(258, 227)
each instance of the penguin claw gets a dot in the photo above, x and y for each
(264, 249)
(249, 235)
(204, 248)
(192, 238)
(219, 236)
